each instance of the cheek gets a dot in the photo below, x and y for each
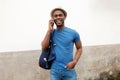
(63, 19)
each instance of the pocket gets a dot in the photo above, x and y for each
(70, 69)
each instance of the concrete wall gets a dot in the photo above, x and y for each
(94, 61)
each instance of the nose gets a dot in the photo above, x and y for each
(58, 16)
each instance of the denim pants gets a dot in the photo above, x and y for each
(56, 74)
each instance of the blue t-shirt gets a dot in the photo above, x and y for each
(64, 41)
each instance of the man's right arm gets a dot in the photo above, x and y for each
(45, 42)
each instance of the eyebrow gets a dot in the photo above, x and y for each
(58, 15)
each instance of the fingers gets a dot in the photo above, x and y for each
(51, 24)
(70, 65)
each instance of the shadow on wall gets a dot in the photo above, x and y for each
(110, 75)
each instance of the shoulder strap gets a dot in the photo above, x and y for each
(51, 35)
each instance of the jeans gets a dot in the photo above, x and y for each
(63, 74)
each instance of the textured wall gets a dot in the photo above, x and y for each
(98, 59)
(94, 61)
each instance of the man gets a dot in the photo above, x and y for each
(64, 39)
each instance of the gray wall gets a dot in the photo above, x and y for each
(95, 60)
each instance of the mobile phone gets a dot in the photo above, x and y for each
(53, 23)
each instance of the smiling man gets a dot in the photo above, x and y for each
(64, 39)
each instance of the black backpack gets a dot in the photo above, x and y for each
(47, 56)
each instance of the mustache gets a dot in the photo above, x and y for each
(58, 19)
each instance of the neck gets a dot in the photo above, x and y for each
(60, 27)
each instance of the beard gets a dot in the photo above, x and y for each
(59, 24)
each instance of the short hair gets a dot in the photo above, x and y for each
(55, 9)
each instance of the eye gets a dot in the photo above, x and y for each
(60, 15)
(56, 15)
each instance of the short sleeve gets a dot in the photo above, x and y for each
(77, 37)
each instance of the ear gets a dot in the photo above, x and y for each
(64, 18)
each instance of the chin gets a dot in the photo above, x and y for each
(59, 25)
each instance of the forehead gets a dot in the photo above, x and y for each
(57, 12)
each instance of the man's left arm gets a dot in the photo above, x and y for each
(77, 55)
(78, 52)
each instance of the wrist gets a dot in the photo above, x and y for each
(49, 31)
(75, 61)
(50, 27)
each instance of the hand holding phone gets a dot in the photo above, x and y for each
(51, 24)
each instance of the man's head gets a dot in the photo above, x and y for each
(60, 9)
(58, 15)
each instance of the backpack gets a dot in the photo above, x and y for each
(47, 56)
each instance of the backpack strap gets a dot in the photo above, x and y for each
(51, 36)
